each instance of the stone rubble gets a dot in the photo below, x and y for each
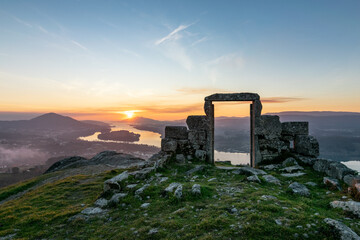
(299, 189)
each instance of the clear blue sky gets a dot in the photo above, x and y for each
(123, 55)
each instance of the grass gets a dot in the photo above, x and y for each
(45, 211)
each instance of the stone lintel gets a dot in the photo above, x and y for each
(233, 97)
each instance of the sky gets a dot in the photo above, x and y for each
(159, 59)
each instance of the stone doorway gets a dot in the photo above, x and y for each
(255, 112)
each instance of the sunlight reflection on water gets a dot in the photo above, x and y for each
(235, 158)
(355, 164)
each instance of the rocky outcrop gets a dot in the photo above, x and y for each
(349, 206)
(299, 189)
(344, 231)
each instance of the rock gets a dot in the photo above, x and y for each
(116, 197)
(143, 173)
(292, 169)
(351, 180)
(311, 184)
(271, 167)
(197, 138)
(178, 192)
(200, 154)
(289, 162)
(338, 170)
(232, 97)
(212, 179)
(176, 132)
(101, 202)
(194, 170)
(268, 197)
(197, 122)
(344, 231)
(299, 189)
(172, 186)
(168, 145)
(114, 183)
(295, 128)
(274, 145)
(180, 158)
(349, 206)
(142, 189)
(298, 174)
(249, 171)
(333, 183)
(233, 210)
(271, 179)
(131, 186)
(145, 205)
(253, 178)
(153, 231)
(306, 145)
(268, 126)
(163, 179)
(321, 165)
(306, 160)
(66, 163)
(278, 222)
(92, 211)
(196, 189)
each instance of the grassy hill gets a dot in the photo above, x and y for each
(228, 208)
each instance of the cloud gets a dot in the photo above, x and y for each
(199, 41)
(22, 22)
(79, 45)
(173, 35)
(232, 60)
(42, 29)
(281, 99)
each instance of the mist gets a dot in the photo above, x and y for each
(22, 155)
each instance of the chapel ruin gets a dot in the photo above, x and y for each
(269, 138)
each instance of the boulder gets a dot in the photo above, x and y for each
(197, 122)
(141, 190)
(268, 126)
(271, 179)
(168, 145)
(306, 160)
(116, 198)
(249, 171)
(344, 231)
(176, 132)
(351, 180)
(70, 162)
(178, 192)
(196, 189)
(253, 178)
(200, 154)
(299, 189)
(143, 173)
(349, 206)
(289, 162)
(306, 145)
(172, 186)
(331, 182)
(338, 170)
(92, 211)
(114, 183)
(298, 174)
(101, 202)
(271, 167)
(180, 158)
(321, 165)
(295, 128)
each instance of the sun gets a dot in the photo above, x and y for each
(129, 114)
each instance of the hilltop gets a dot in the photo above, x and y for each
(229, 203)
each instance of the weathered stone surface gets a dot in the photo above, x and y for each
(172, 187)
(311, 184)
(168, 145)
(253, 178)
(145, 205)
(298, 174)
(273, 144)
(249, 171)
(197, 137)
(332, 182)
(257, 108)
(92, 211)
(114, 183)
(271, 166)
(176, 132)
(289, 162)
(350, 206)
(143, 173)
(180, 158)
(344, 231)
(295, 128)
(101, 202)
(200, 154)
(292, 169)
(197, 122)
(306, 160)
(268, 126)
(271, 179)
(338, 170)
(321, 165)
(351, 180)
(307, 145)
(142, 189)
(178, 192)
(233, 97)
(116, 197)
(196, 189)
(299, 189)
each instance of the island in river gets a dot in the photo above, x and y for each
(121, 135)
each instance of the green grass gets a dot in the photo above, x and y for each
(44, 212)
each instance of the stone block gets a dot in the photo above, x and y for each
(233, 97)
(257, 108)
(180, 158)
(197, 122)
(338, 170)
(295, 128)
(321, 165)
(200, 154)
(168, 145)
(268, 126)
(274, 145)
(176, 132)
(197, 137)
(307, 145)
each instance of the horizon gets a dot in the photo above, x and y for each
(107, 60)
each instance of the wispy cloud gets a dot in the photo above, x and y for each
(173, 35)
(42, 29)
(199, 41)
(281, 99)
(79, 45)
(22, 22)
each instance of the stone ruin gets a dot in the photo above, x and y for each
(269, 138)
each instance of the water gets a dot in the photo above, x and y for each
(354, 164)
(234, 158)
(146, 137)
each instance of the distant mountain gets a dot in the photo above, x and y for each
(314, 113)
